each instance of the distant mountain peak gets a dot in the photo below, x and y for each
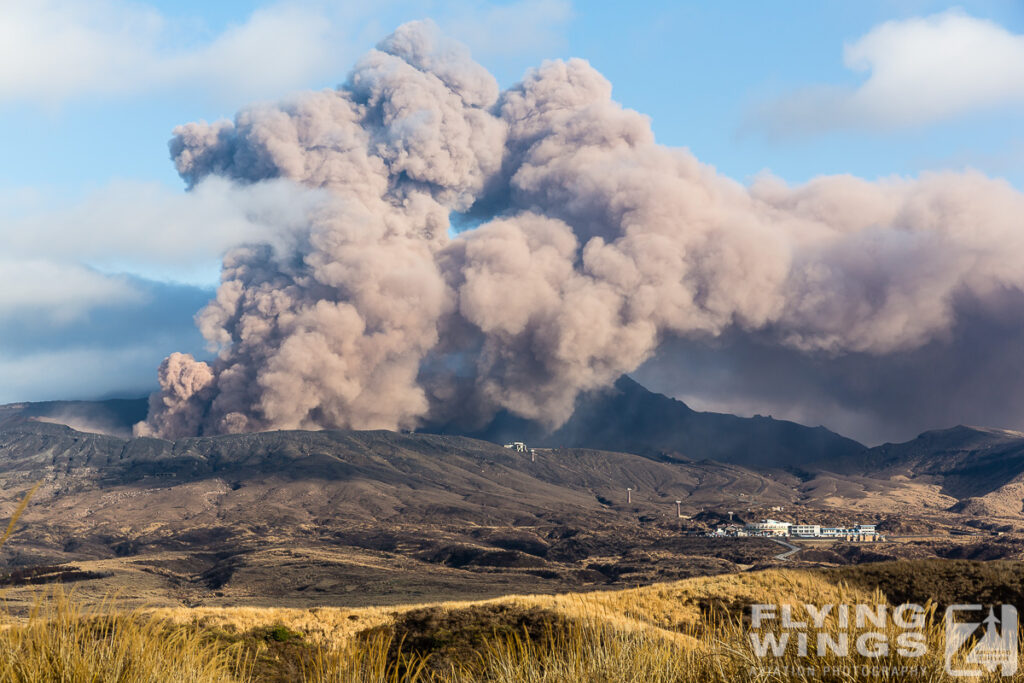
(962, 432)
(628, 417)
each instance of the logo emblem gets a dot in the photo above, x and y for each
(974, 648)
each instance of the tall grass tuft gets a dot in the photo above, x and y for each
(366, 661)
(598, 651)
(61, 642)
(18, 512)
(592, 652)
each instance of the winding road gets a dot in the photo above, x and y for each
(786, 555)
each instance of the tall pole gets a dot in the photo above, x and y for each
(679, 508)
(629, 496)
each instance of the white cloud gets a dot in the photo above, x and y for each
(69, 332)
(55, 50)
(76, 372)
(60, 264)
(919, 71)
(52, 51)
(275, 50)
(58, 292)
(153, 231)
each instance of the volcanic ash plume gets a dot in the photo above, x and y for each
(592, 245)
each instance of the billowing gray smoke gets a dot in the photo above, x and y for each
(593, 246)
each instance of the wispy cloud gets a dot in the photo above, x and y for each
(123, 270)
(53, 51)
(151, 230)
(60, 292)
(919, 71)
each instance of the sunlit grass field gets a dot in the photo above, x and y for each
(691, 630)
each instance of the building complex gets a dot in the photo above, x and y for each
(772, 527)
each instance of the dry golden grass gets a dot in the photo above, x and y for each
(60, 642)
(596, 652)
(675, 632)
(670, 608)
(670, 633)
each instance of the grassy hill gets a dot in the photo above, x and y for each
(675, 632)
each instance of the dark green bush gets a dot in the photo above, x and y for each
(282, 634)
(454, 637)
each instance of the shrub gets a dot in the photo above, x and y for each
(944, 582)
(282, 634)
(446, 638)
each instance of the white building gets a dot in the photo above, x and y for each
(772, 527)
(853, 532)
(769, 527)
(517, 446)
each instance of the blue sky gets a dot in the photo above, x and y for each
(107, 258)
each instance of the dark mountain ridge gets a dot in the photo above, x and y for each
(455, 468)
(626, 418)
(966, 461)
(631, 419)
